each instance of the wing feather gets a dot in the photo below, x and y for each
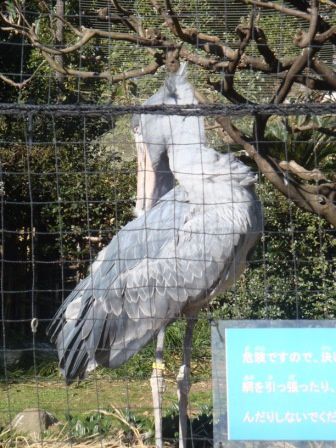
(125, 301)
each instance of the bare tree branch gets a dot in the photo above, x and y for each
(147, 70)
(311, 82)
(322, 24)
(172, 20)
(69, 25)
(128, 18)
(311, 126)
(321, 38)
(314, 200)
(20, 85)
(59, 39)
(302, 186)
(229, 92)
(267, 64)
(210, 44)
(305, 39)
(265, 51)
(327, 73)
(278, 7)
(226, 85)
(89, 33)
(296, 68)
(301, 172)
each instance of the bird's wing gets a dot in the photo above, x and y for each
(140, 239)
(171, 256)
(186, 270)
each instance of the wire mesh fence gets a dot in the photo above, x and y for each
(68, 185)
(65, 193)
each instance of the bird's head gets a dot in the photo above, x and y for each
(175, 90)
(178, 89)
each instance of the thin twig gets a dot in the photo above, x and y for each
(22, 84)
(147, 70)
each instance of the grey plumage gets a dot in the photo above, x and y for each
(173, 258)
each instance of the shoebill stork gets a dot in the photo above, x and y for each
(200, 219)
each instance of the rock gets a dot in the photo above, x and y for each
(20, 354)
(33, 422)
(11, 358)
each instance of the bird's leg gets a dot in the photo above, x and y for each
(158, 387)
(183, 383)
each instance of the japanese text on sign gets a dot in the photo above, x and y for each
(281, 383)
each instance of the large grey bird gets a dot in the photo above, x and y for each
(189, 245)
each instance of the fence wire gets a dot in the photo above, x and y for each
(63, 198)
(231, 110)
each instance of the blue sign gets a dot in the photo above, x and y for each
(281, 383)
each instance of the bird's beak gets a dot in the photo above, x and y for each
(145, 176)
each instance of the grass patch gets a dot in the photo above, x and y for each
(115, 405)
(90, 395)
(119, 412)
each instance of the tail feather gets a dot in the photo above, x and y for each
(67, 334)
(72, 354)
(57, 322)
